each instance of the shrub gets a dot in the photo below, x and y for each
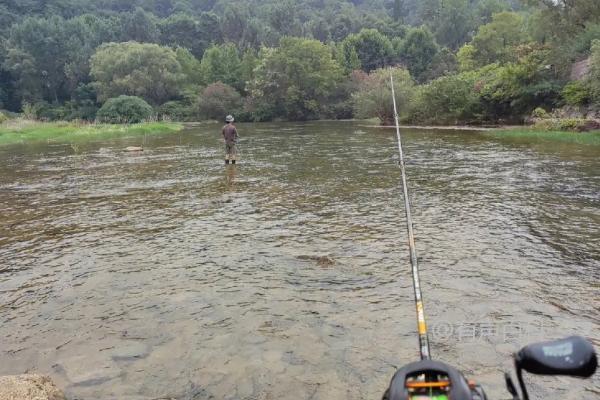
(43, 111)
(217, 100)
(124, 109)
(447, 100)
(576, 93)
(540, 113)
(374, 96)
(177, 111)
(561, 124)
(3, 118)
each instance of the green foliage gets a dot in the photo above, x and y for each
(191, 69)
(177, 111)
(137, 69)
(418, 51)
(576, 93)
(222, 64)
(399, 10)
(367, 49)
(497, 41)
(218, 100)
(294, 80)
(594, 77)
(540, 113)
(124, 109)
(183, 30)
(374, 99)
(466, 58)
(561, 124)
(448, 100)
(3, 118)
(455, 23)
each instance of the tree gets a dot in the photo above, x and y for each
(222, 64)
(209, 29)
(139, 69)
(182, 30)
(295, 79)
(594, 77)
(190, 68)
(140, 26)
(398, 11)
(455, 23)
(374, 96)
(496, 41)
(371, 48)
(218, 100)
(418, 51)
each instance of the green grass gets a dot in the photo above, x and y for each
(25, 131)
(587, 138)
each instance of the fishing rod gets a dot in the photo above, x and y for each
(429, 379)
(421, 324)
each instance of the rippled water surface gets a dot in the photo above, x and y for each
(165, 274)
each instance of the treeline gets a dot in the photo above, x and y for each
(458, 60)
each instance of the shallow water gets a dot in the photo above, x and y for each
(164, 274)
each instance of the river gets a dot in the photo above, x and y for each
(164, 274)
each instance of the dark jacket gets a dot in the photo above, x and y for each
(230, 133)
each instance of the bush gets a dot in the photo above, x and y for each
(374, 96)
(218, 100)
(450, 99)
(540, 113)
(561, 124)
(177, 111)
(43, 111)
(576, 93)
(3, 118)
(124, 109)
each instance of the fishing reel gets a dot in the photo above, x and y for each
(427, 379)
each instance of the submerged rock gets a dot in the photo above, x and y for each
(29, 387)
(130, 351)
(90, 370)
(322, 261)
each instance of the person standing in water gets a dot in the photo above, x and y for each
(230, 136)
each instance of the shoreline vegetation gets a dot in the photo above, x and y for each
(530, 134)
(22, 131)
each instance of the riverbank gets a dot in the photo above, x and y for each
(26, 131)
(528, 134)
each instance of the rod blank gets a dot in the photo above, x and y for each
(422, 326)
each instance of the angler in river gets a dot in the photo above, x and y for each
(230, 136)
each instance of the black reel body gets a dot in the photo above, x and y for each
(428, 379)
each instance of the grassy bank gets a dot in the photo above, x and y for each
(25, 131)
(587, 138)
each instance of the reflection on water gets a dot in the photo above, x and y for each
(166, 274)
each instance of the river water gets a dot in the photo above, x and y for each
(166, 275)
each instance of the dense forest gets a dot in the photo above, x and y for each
(468, 61)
